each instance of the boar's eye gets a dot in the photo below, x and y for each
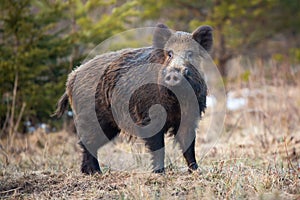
(187, 72)
(164, 71)
(189, 54)
(170, 54)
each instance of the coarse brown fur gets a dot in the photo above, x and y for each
(120, 64)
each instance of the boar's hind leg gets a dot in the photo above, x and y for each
(156, 147)
(89, 164)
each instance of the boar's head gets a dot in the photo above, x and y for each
(183, 52)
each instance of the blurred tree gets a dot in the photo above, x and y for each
(31, 52)
(240, 27)
(40, 42)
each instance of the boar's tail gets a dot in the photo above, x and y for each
(62, 105)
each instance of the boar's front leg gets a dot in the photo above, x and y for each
(156, 146)
(187, 144)
(189, 156)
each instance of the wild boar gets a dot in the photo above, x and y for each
(177, 84)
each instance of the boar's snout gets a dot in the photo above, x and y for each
(173, 77)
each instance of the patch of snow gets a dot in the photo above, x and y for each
(70, 113)
(236, 100)
(234, 103)
(211, 101)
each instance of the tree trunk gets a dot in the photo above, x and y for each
(222, 54)
(13, 106)
(19, 117)
(222, 66)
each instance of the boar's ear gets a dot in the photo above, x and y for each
(161, 35)
(203, 35)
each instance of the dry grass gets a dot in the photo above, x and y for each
(256, 157)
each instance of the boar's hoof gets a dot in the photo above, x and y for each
(91, 170)
(193, 167)
(159, 171)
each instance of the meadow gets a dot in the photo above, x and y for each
(257, 156)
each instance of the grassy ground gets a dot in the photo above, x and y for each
(256, 157)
